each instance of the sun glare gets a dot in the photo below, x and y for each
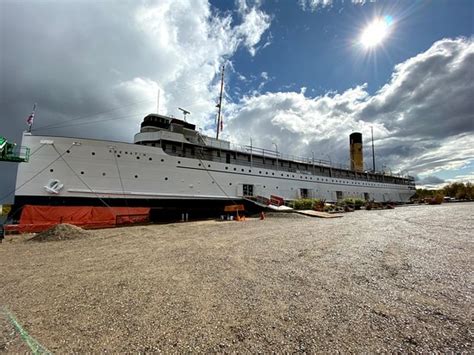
(376, 32)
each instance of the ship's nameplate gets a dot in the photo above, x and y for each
(47, 141)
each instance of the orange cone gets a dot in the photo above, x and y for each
(262, 216)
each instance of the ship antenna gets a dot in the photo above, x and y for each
(158, 102)
(185, 112)
(373, 151)
(219, 105)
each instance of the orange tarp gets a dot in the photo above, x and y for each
(38, 218)
(233, 208)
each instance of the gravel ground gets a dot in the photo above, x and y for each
(391, 280)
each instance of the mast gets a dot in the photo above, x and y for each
(219, 105)
(373, 151)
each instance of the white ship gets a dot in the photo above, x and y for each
(172, 168)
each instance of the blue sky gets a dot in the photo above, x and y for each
(318, 49)
(296, 75)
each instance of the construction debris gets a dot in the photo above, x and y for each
(60, 232)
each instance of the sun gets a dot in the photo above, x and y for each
(375, 32)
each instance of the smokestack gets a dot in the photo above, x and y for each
(357, 158)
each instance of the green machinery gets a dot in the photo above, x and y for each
(11, 152)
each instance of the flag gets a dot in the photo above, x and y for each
(31, 117)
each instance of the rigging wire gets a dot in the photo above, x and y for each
(94, 114)
(91, 122)
(120, 178)
(39, 172)
(80, 179)
(209, 173)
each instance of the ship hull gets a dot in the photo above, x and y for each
(74, 171)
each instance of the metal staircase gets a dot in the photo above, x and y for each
(12, 153)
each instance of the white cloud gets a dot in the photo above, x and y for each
(432, 92)
(254, 24)
(314, 5)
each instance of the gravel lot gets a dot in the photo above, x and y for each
(391, 280)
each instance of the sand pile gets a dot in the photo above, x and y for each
(60, 232)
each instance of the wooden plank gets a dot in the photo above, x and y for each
(234, 208)
(312, 213)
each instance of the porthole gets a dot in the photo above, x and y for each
(242, 170)
(93, 153)
(150, 159)
(118, 156)
(230, 183)
(281, 174)
(199, 164)
(266, 172)
(138, 157)
(68, 151)
(179, 161)
(264, 187)
(235, 169)
(126, 152)
(82, 173)
(166, 178)
(162, 160)
(292, 176)
(277, 187)
(226, 168)
(103, 174)
(208, 165)
(136, 176)
(250, 171)
(259, 172)
(273, 173)
(51, 170)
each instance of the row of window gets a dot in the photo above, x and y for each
(273, 174)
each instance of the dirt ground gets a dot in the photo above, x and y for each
(372, 281)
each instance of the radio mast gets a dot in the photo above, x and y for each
(219, 104)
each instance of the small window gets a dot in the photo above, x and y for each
(103, 174)
(51, 170)
(138, 157)
(68, 151)
(82, 173)
(118, 156)
(162, 160)
(136, 176)
(150, 159)
(93, 153)
(166, 178)
(179, 161)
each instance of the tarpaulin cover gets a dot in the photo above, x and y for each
(38, 218)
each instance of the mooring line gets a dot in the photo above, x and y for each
(35, 347)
